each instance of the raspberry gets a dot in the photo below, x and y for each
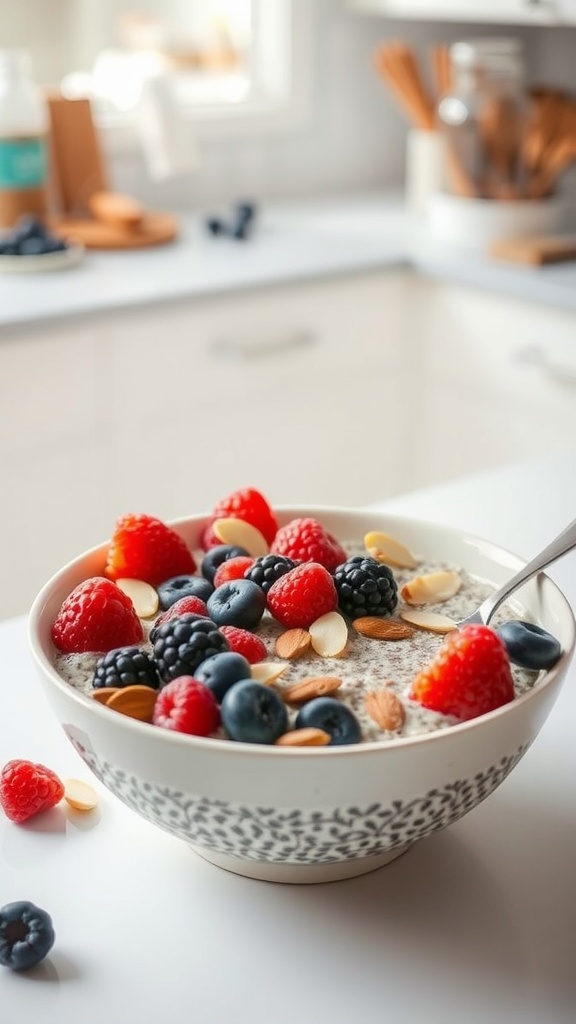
(183, 643)
(469, 676)
(302, 595)
(126, 666)
(365, 587)
(233, 569)
(96, 616)
(27, 789)
(186, 705)
(181, 607)
(242, 641)
(269, 568)
(306, 540)
(144, 548)
(247, 504)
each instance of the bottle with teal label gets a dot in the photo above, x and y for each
(23, 140)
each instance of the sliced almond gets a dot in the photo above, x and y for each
(386, 549)
(386, 709)
(143, 597)
(381, 629)
(437, 586)
(293, 644)
(268, 671)
(236, 531)
(432, 621)
(103, 693)
(310, 687)
(135, 701)
(304, 738)
(80, 795)
(329, 635)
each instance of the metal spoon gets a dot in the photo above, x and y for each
(563, 543)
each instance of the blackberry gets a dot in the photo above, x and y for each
(183, 643)
(269, 568)
(125, 666)
(365, 587)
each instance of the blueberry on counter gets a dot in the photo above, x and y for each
(26, 935)
(529, 646)
(253, 713)
(221, 671)
(237, 603)
(333, 717)
(176, 587)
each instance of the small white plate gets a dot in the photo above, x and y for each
(44, 261)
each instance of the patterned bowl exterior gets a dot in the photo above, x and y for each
(314, 814)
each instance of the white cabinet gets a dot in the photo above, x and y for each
(496, 379)
(344, 390)
(522, 12)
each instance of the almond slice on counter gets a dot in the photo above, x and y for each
(293, 643)
(80, 795)
(268, 671)
(386, 549)
(135, 701)
(308, 737)
(432, 621)
(386, 709)
(143, 597)
(381, 629)
(310, 687)
(236, 531)
(329, 635)
(437, 586)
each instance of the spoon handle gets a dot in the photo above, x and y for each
(561, 545)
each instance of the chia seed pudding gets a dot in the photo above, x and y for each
(367, 664)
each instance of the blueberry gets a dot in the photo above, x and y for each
(26, 935)
(333, 717)
(221, 671)
(29, 226)
(237, 603)
(176, 587)
(214, 558)
(33, 246)
(529, 645)
(253, 713)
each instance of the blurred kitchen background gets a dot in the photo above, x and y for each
(298, 110)
(331, 349)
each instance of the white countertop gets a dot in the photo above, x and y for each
(292, 242)
(475, 924)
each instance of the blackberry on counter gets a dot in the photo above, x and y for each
(183, 643)
(125, 666)
(365, 587)
(269, 568)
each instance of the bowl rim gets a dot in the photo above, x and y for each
(548, 677)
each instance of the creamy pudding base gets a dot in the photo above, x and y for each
(368, 664)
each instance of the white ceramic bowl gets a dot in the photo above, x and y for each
(309, 814)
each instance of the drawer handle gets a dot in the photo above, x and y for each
(246, 349)
(560, 373)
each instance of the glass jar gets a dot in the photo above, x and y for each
(482, 119)
(23, 140)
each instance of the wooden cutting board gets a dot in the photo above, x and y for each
(535, 251)
(153, 229)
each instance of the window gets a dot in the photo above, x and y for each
(222, 58)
